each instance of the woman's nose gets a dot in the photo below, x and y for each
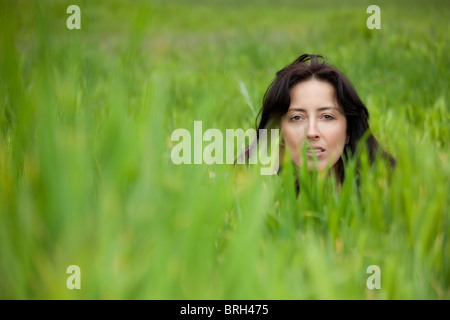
(313, 131)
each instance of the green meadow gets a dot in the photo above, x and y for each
(86, 176)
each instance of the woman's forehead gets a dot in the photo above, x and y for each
(314, 95)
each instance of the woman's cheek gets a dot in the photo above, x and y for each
(293, 139)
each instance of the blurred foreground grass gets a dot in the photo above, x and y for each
(86, 177)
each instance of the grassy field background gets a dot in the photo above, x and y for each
(85, 171)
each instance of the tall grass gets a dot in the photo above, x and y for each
(86, 177)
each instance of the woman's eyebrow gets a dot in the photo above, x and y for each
(319, 109)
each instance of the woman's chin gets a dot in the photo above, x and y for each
(318, 167)
(313, 165)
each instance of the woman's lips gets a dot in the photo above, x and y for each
(315, 151)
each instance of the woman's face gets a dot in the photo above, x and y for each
(316, 121)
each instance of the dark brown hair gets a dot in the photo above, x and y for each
(277, 100)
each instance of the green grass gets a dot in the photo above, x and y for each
(86, 177)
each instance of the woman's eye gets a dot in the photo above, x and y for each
(327, 117)
(296, 118)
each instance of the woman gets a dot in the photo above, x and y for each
(319, 112)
